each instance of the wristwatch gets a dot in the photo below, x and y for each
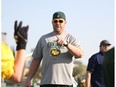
(66, 44)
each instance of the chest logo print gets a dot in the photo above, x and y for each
(54, 49)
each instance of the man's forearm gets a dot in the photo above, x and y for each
(76, 51)
(33, 68)
(88, 79)
(18, 66)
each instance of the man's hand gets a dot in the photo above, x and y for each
(61, 41)
(20, 35)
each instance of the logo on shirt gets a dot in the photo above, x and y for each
(54, 49)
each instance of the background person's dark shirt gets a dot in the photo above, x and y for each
(95, 67)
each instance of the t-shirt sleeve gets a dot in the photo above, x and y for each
(73, 40)
(7, 62)
(91, 64)
(37, 54)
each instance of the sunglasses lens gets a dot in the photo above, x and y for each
(61, 21)
(56, 21)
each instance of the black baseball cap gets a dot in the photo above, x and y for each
(59, 14)
(105, 42)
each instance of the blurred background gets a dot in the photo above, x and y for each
(91, 21)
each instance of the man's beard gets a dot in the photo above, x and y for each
(57, 30)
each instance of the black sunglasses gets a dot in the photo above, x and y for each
(56, 21)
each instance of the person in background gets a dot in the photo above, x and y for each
(108, 68)
(55, 50)
(94, 73)
(12, 68)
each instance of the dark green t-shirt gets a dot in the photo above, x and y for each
(108, 68)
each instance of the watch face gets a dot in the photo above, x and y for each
(66, 44)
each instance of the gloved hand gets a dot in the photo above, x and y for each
(20, 35)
